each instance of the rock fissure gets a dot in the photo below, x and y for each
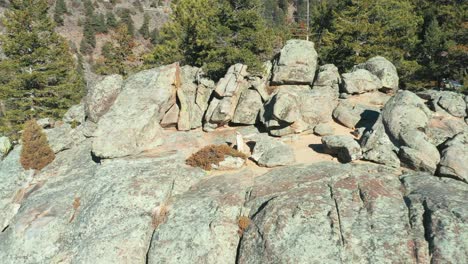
(340, 226)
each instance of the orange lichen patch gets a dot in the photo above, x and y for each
(159, 216)
(212, 154)
(243, 222)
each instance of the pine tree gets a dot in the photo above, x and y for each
(144, 30)
(365, 28)
(88, 42)
(215, 34)
(118, 53)
(126, 18)
(99, 23)
(60, 10)
(111, 20)
(38, 77)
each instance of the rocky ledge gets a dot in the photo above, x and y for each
(387, 182)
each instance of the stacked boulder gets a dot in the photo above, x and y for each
(376, 74)
(193, 94)
(399, 134)
(295, 106)
(228, 93)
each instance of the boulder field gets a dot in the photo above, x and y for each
(341, 168)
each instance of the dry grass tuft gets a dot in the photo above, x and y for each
(212, 154)
(243, 222)
(159, 216)
(36, 152)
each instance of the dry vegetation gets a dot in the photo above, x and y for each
(36, 152)
(159, 216)
(212, 154)
(243, 222)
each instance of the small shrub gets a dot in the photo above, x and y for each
(36, 152)
(243, 223)
(212, 154)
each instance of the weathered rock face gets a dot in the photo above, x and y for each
(455, 158)
(385, 70)
(202, 224)
(132, 123)
(360, 81)
(437, 215)
(294, 109)
(12, 177)
(443, 127)
(78, 211)
(101, 96)
(228, 92)
(341, 207)
(344, 147)
(153, 209)
(75, 115)
(297, 63)
(193, 95)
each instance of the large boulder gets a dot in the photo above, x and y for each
(296, 64)
(385, 70)
(328, 75)
(248, 108)
(228, 92)
(193, 95)
(377, 146)
(453, 103)
(400, 129)
(360, 81)
(270, 152)
(101, 96)
(132, 123)
(454, 161)
(443, 127)
(297, 108)
(352, 116)
(345, 147)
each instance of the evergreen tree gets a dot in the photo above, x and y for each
(111, 20)
(99, 23)
(118, 53)
(37, 77)
(126, 18)
(365, 28)
(60, 10)
(144, 30)
(215, 34)
(88, 42)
